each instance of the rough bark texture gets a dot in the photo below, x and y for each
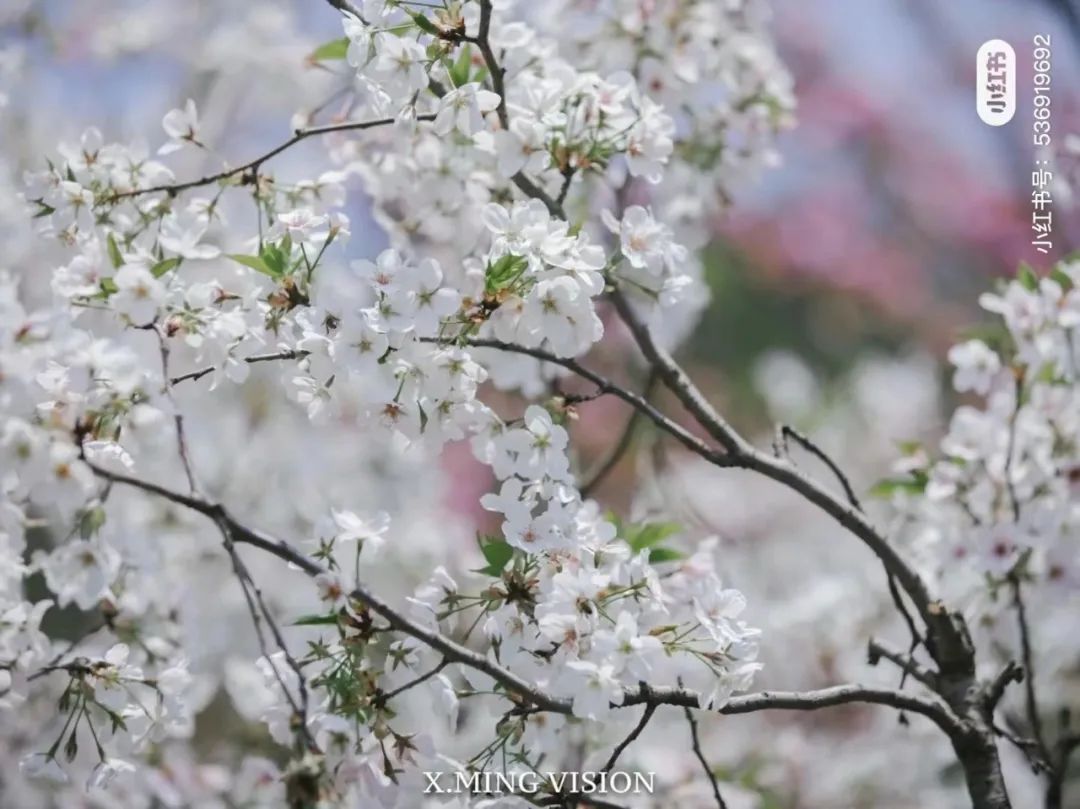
(973, 703)
(982, 770)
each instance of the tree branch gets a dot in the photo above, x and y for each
(253, 165)
(1032, 700)
(422, 678)
(495, 70)
(516, 687)
(604, 468)
(498, 86)
(242, 534)
(1012, 672)
(879, 649)
(788, 432)
(650, 709)
(684, 436)
(346, 6)
(279, 355)
(701, 757)
(952, 648)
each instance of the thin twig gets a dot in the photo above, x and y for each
(802, 440)
(345, 5)
(1029, 747)
(650, 709)
(495, 70)
(279, 355)
(178, 418)
(498, 74)
(684, 436)
(253, 165)
(384, 698)
(259, 613)
(879, 649)
(701, 757)
(1034, 716)
(1011, 672)
(626, 440)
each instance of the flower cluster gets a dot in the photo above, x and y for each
(999, 502)
(518, 178)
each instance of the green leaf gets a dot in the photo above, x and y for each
(423, 23)
(255, 262)
(505, 270)
(91, 522)
(330, 619)
(1062, 278)
(994, 334)
(329, 51)
(1027, 276)
(459, 71)
(916, 484)
(657, 555)
(275, 258)
(1048, 374)
(909, 447)
(650, 534)
(108, 287)
(114, 252)
(164, 266)
(496, 553)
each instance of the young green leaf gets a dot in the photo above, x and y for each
(275, 259)
(330, 619)
(254, 262)
(496, 553)
(164, 266)
(1063, 280)
(423, 23)
(915, 484)
(1027, 276)
(505, 270)
(650, 534)
(657, 555)
(114, 252)
(460, 69)
(330, 51)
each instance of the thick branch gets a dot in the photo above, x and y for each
(516, 686)
(242, 534)
(953, 651)
(929, 707)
